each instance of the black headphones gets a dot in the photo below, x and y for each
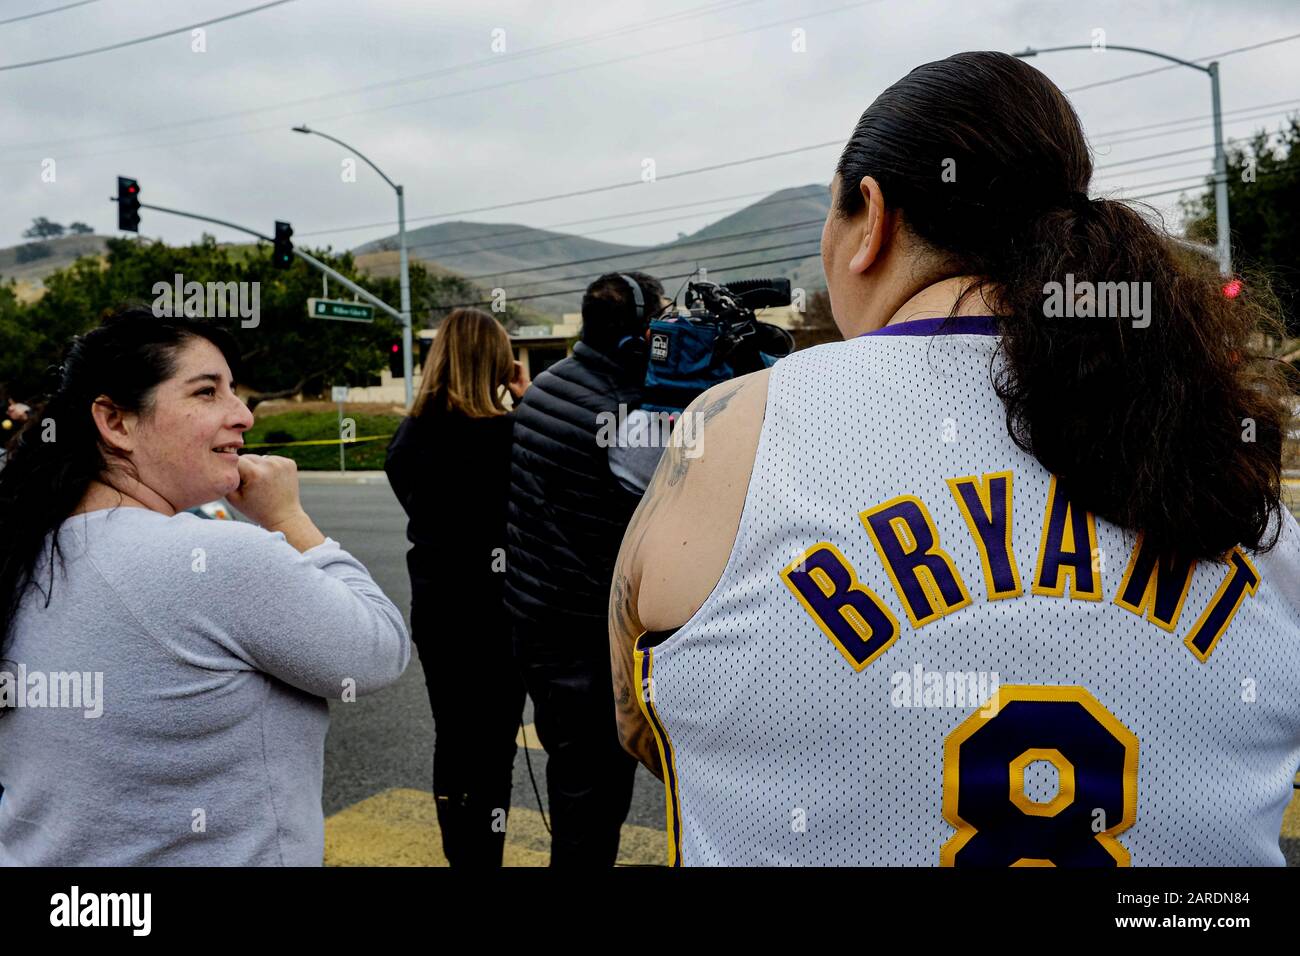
(637, 297)
(632, 348)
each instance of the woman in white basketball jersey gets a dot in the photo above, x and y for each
(978, 585)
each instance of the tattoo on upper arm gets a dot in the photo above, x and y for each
(633, 730)
(624, 625)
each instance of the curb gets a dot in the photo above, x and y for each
(342, 478)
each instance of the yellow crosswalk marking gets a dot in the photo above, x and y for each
(399, 827)
(527, 737)
(1291, 818)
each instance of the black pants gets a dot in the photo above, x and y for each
(588, 773)
(477, 699)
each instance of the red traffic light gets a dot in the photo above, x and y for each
(1233, 288)
(396, 347)
(128, 204)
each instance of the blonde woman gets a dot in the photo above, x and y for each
(449, 465)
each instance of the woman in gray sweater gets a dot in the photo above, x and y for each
(163, 679)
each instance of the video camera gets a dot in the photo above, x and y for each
(717, 337)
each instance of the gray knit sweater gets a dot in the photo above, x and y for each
(214, 645)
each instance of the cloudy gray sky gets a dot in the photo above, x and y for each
(581, 95)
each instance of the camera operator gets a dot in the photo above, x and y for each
(571, 496)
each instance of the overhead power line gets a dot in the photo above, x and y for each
(1198, 119)
(687, 172)
(631, 250)
(477, 89)
(45, 13)
(138, 40)
(1152, 169)
(626, 184)
(492, 61)
(1194, 128)
(547, 295)
(667, 248)
(1171, 66)
(578, 222)
(699, 260)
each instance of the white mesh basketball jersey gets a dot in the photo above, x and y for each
(919, 653)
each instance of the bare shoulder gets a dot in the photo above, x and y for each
(698, 495)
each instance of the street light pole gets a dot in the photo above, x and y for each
(407, 340)
(1224, 244)
(407, 360)
(1220, 177)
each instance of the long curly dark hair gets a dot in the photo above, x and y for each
(1176, 429)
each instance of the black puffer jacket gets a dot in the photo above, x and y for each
(567, 511)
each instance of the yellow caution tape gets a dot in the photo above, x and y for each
(316, 441)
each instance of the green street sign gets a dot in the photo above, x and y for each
(343, 311)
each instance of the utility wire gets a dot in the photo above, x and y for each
(633, 250)
(44, 13)
(666, 248)
(547, 295)
(137, 40)
(1194, 128)
(578, 222)
(1171, 66)
(626, 184)
(1197, 119)
(494, 60)
(686, 172)
(494, 86)
(676, 175)
(673, 262)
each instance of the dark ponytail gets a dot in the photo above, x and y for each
(53, 460)
(1172, 424)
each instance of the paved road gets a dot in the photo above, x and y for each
(385, 741)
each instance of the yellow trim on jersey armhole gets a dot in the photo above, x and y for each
(644, 659)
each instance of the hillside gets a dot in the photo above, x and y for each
(484, 251)
(530, 264)
(63, 252)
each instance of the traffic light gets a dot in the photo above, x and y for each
(396, 366)
(426, 346)
(128, 204)
(282, 256)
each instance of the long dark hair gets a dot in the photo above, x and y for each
(1151, 427)
(58, 453)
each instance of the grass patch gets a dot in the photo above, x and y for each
(285, 427)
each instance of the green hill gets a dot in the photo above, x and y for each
(793, 216)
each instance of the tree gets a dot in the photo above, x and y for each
(284, 353)
(42, 228)
(1264, 210)
(80, 229)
